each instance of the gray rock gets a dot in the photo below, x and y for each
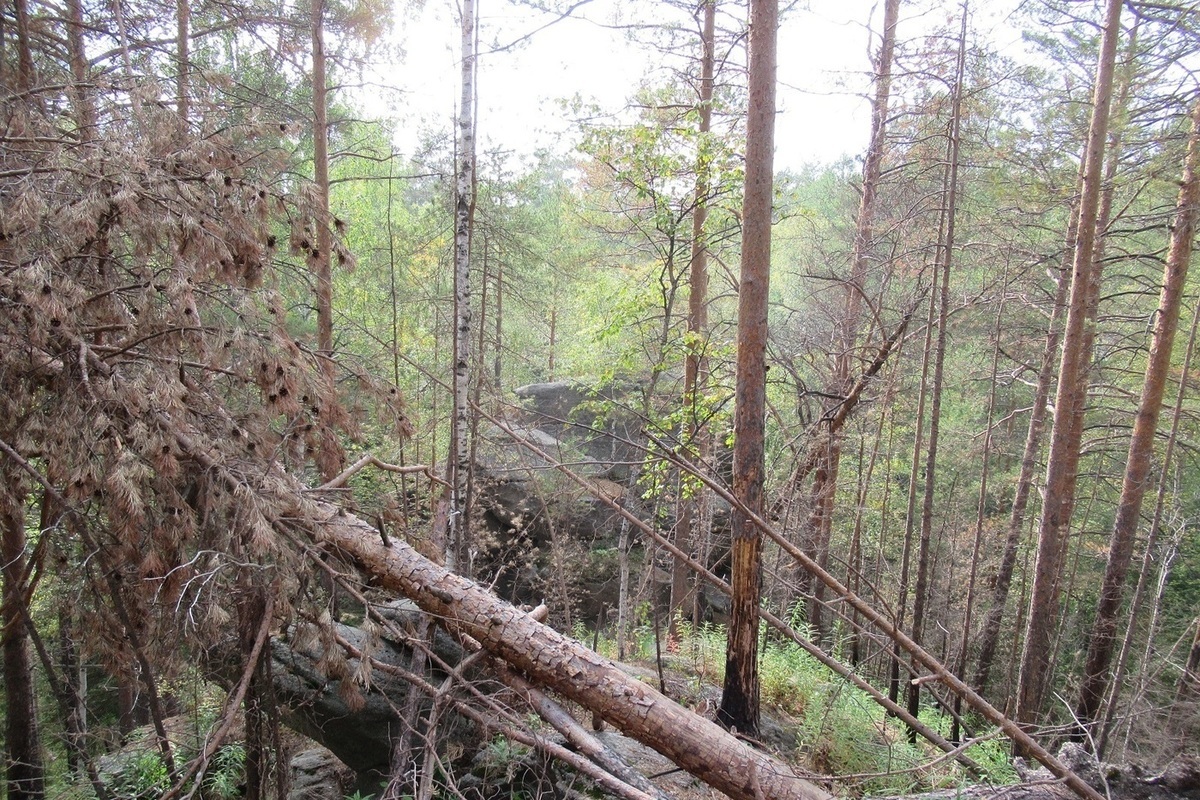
(318, 775)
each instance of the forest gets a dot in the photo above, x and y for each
(333, 466)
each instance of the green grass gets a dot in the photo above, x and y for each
(840, 730)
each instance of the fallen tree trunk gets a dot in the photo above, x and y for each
(919, 654)
(551, 659)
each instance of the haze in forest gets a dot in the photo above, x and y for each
(824, 71)
(824, 433)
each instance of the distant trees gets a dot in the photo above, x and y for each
(825, 464)
(180, 351)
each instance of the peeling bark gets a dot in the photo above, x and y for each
(740, 698)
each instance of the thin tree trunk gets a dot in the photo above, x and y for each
(550, 365)
(960, 668)
(1071, 400)
(464, 210)
(330, 458)
(1149, 556)
(950, 206)
(624, 601)
(135, 99)
(1141, 447)
(888, 416)
(75, 678)
(252, 607)
(855, 561)
(740, 698)
(989, 636)
(85, 110)
(25, 71)
(321, 261)
(496, 362)
(466, 559)
(1189, 679)
(910, 514)
(403, 751)
(24, 768)
(695, 368)
(183, 14)
(824, 485)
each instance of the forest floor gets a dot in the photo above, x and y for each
(783, 733)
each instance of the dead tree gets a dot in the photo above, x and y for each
(551, 659)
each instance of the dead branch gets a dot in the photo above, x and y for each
(369, 460)
(232, 702)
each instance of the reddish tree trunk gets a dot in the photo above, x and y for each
(1071, 399)
(946, 249)
(183, 16)
(1141, 447)
(739, 701)
(824, 485)
(688, 527)
(989, 636)
(550, 659)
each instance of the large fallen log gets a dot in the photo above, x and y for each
(551, 659)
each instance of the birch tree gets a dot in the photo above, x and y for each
(464, 209)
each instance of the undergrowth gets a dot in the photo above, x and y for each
(839, 729)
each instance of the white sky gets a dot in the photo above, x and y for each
(823, 64)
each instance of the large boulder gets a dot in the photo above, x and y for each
(326, 697)
(317, 774)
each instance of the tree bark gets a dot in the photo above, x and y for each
(321, 262)
(1151, 554)
(496, 361)
(739, 700)
(24, 768)
(550, 659)
(81, 98)
(1071, 399)
(25, 70)
(1141, 446)
(1189, 679)
(695, 368)
(949, 208)
(980, 506)
(989, 635)
(183, 15)
(464, 210)
(910, 513)
(330, 458)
